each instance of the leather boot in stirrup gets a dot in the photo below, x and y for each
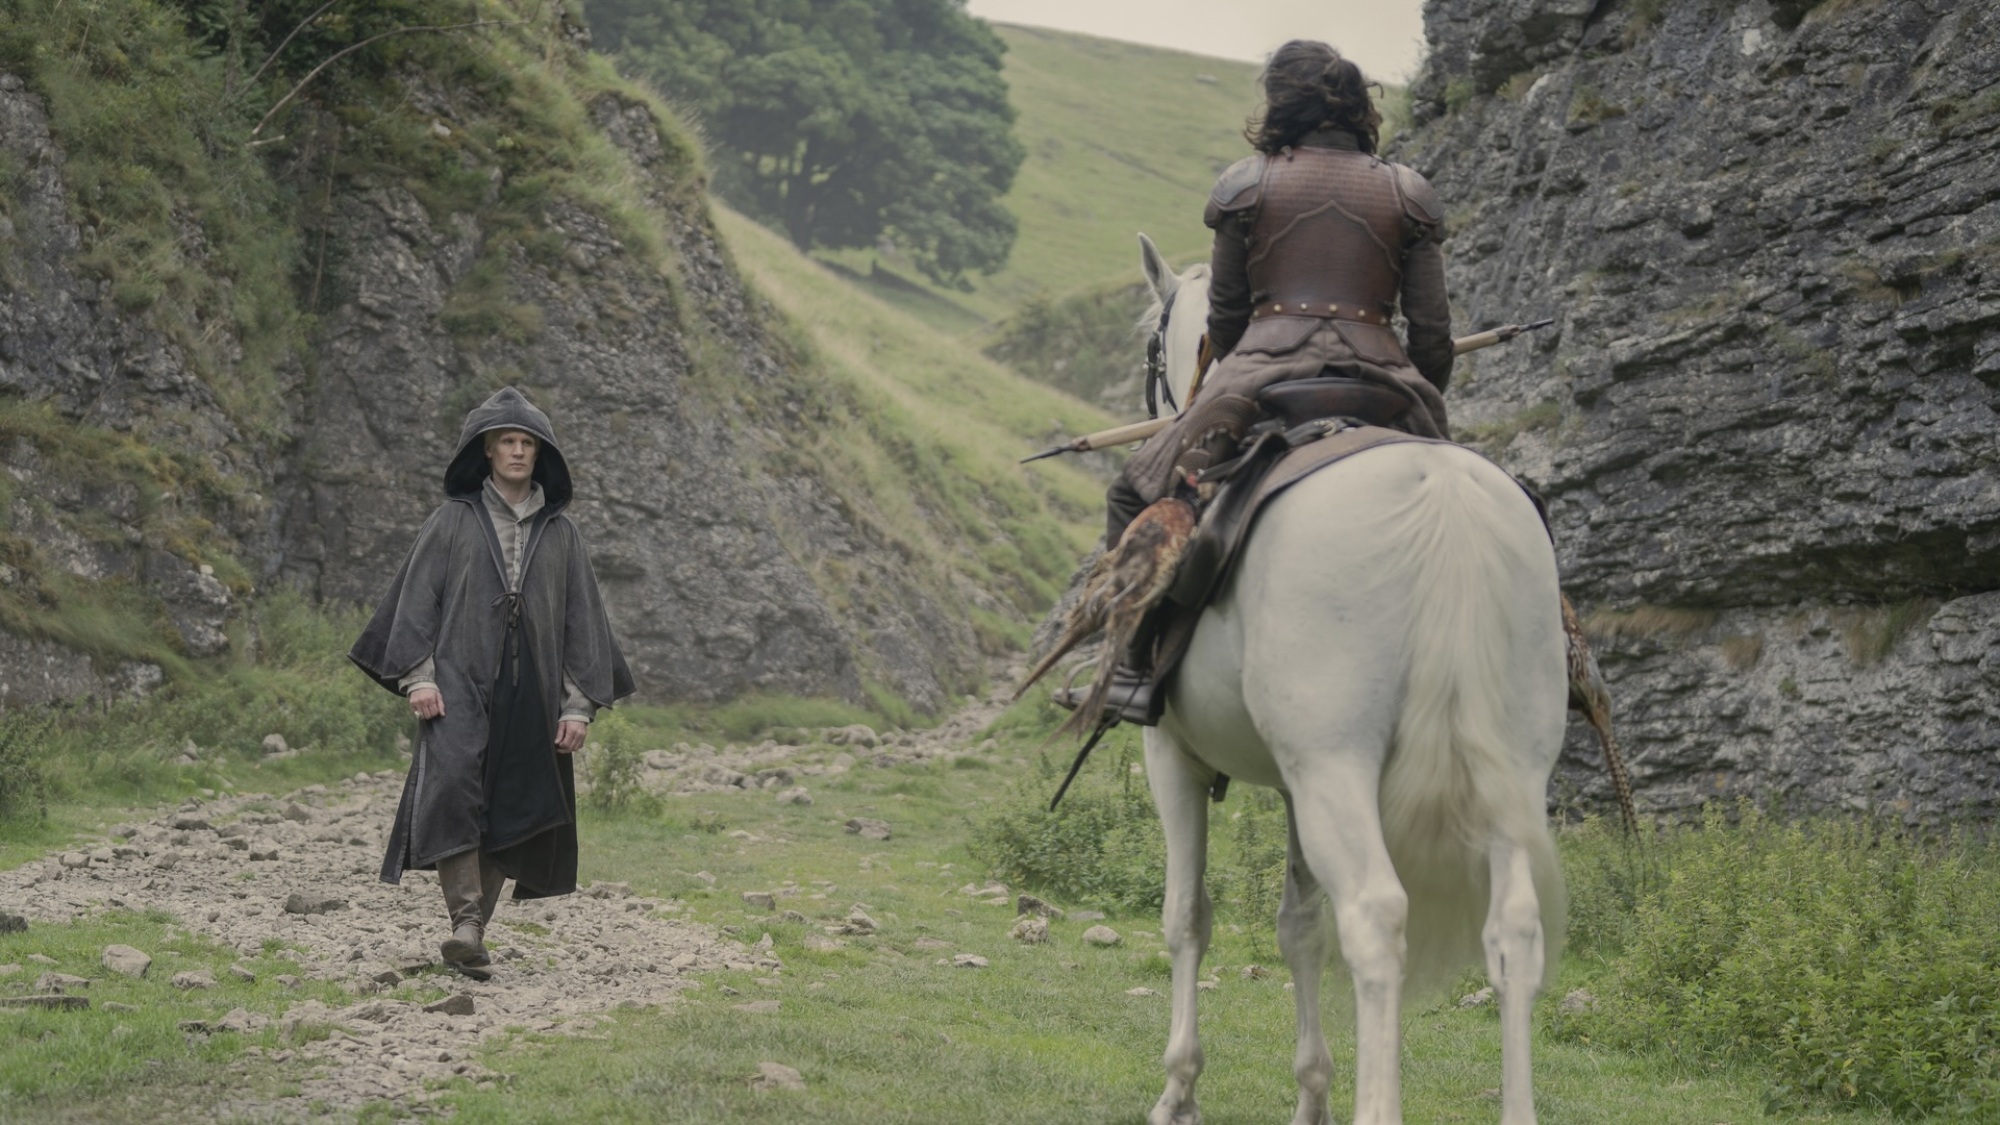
(1129, 699)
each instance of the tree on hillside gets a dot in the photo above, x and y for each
(841, 121)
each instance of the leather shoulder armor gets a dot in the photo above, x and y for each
(1420, 199)
(1238, 189)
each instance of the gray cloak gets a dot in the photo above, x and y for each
(486, 774)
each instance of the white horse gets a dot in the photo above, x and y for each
(1388, 655)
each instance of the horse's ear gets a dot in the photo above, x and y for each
(1159, 274)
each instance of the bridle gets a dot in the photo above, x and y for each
(1156, 361)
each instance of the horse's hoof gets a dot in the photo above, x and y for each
(1164, 1114)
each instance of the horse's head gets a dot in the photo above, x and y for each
(1174, 323)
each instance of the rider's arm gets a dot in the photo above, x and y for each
(1229, 283)
(1427, 310)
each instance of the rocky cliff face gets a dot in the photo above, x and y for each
(97, 510)
(140, 517)
(1765, 419)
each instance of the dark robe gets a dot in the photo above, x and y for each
(486, 773)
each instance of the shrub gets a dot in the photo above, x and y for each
(612, 764)
(1850, 960)
(24, 792)
(1101, 845)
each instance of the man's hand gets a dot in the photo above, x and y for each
(427, 703)
(570, 735)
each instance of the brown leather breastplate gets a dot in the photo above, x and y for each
(1328, 237)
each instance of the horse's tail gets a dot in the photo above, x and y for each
(1462, 769)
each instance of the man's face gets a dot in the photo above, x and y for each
(512, 453)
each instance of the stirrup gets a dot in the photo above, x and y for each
(1129, 699)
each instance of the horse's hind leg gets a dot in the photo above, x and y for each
(1514, 954)
(1180, 791)
(1302, 936)
(1340, 836)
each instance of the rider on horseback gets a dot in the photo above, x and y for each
(1317, 243)
(1316, 240)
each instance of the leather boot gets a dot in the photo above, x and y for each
(463, 895)
(491, 880)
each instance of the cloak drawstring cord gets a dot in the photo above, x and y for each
(513, 600)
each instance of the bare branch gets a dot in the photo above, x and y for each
(345, 51)
(280, 48)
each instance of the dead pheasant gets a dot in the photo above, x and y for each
(1128, 580)
(1587, 694)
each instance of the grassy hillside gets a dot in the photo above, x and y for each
(1121, 138)
(925, 445)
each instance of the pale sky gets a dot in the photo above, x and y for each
(1384, 36)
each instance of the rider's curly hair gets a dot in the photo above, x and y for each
(1308, 84)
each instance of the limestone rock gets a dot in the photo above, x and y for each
(777, 1076)
(762, 900)
(1792, 590)
(457, 1004)
(869, 828)
(194, 980)
(796, 795)
(312, 902)
(1479, 999)
(1030, 931)
(53, 1001)
(126, 960)
(242, 1020)
(59, 982)
(858, 923)
(1029, 904)
(1101, 936)
(968, 961)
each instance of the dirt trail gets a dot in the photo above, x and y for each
(300, 870)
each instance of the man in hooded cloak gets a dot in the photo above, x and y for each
(495, 630)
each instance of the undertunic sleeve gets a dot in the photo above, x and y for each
(577, 707)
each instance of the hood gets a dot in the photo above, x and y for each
(508, 409)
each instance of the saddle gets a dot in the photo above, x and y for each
(1308, 424)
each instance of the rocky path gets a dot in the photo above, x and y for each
(825, 752)
(300, 870)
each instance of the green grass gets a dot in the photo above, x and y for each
(882, 1033)
(105, 1064)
